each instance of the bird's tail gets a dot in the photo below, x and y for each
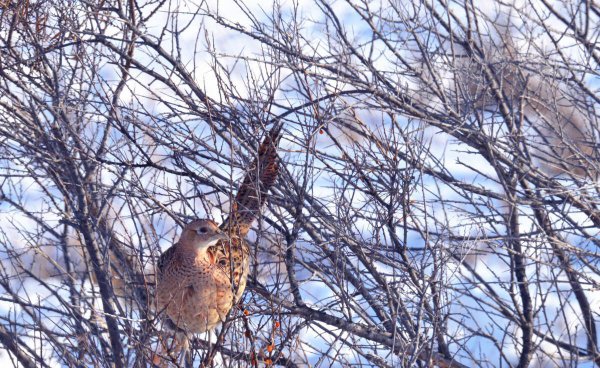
(258, 180)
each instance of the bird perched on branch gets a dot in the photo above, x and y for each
(204, 274)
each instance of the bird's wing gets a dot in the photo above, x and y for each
(253, 192)
(165, 258)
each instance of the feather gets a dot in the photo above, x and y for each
(252, 194)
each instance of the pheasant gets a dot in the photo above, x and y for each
(204, 274)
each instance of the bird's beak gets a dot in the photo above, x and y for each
(220, 236)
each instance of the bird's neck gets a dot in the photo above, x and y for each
(191, 245)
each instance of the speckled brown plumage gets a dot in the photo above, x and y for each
(200, 278)
(193, 291)
(252, 194)
(234, 254)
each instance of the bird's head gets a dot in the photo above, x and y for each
(202, 234)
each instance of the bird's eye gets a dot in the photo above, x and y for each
(202, 230)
